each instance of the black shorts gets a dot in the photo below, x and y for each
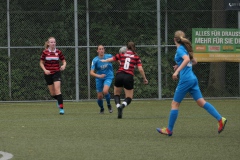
(53, 77)
(125, 80)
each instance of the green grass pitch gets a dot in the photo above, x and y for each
(35, 131)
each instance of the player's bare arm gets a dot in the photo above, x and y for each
(107, 60)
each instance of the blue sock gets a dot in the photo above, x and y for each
(100, 103)
(107, 96)
(211, 110)
(172, 119)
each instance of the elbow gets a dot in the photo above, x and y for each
(139, 68)
(92, 73)
(194, 61)
(41, 63)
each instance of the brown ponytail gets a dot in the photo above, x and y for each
(180, 38)
(131, 46)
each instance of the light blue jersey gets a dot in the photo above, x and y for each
(188, 82)
(103, 68)
(186, 73)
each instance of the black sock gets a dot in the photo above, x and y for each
(127, 101)
(60, 100)
(117, 99)
(55, 97)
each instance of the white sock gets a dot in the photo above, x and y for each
(118, 105)
(124, 103)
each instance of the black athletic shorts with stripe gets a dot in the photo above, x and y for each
(125, 80)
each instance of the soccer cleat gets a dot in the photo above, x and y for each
(110, 108)
(221, 124)
(120, 109)
(101, 111)
(61, 111)
(119, 112)
(165, 131)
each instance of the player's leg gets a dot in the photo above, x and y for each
(57, 90)
(212, 111)
(117, 93)
(173, 115)
(52, 91)
(128, 97)
(179, 94)
(107, 84)
(128, 84)
(100, 102)
(99, 87)
(209, 108)
(118, 85)
(49, 81)
(197, 96)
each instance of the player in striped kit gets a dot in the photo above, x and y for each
(124, 76)
(49, 62)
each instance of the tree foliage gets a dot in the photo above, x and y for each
(112, 23)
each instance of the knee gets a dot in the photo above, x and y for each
(175, 105)
(201, 102)
(105, 92)
(57, 92)
(100, 96)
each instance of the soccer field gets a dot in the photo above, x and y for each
(35, 131)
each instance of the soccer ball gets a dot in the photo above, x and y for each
(123, 49)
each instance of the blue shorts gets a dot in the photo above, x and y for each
(100, 83)
(185, 87)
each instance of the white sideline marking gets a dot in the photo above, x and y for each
(6, 155)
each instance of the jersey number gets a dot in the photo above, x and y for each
(127, 63)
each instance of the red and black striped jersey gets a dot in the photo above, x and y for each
(51, 59)
(128, 61)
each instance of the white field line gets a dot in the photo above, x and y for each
(5, 155)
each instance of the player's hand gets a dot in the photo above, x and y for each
(47, 72)
(101, 75)
(145, 81)
(175, 76)
(175, 67)
(62, 68)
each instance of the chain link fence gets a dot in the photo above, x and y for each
(80, 26)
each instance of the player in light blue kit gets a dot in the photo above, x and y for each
(188, 83)
(103, 72)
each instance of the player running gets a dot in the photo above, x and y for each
(103, 73)
(49, 63)
(188, 83)
(124, 77)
